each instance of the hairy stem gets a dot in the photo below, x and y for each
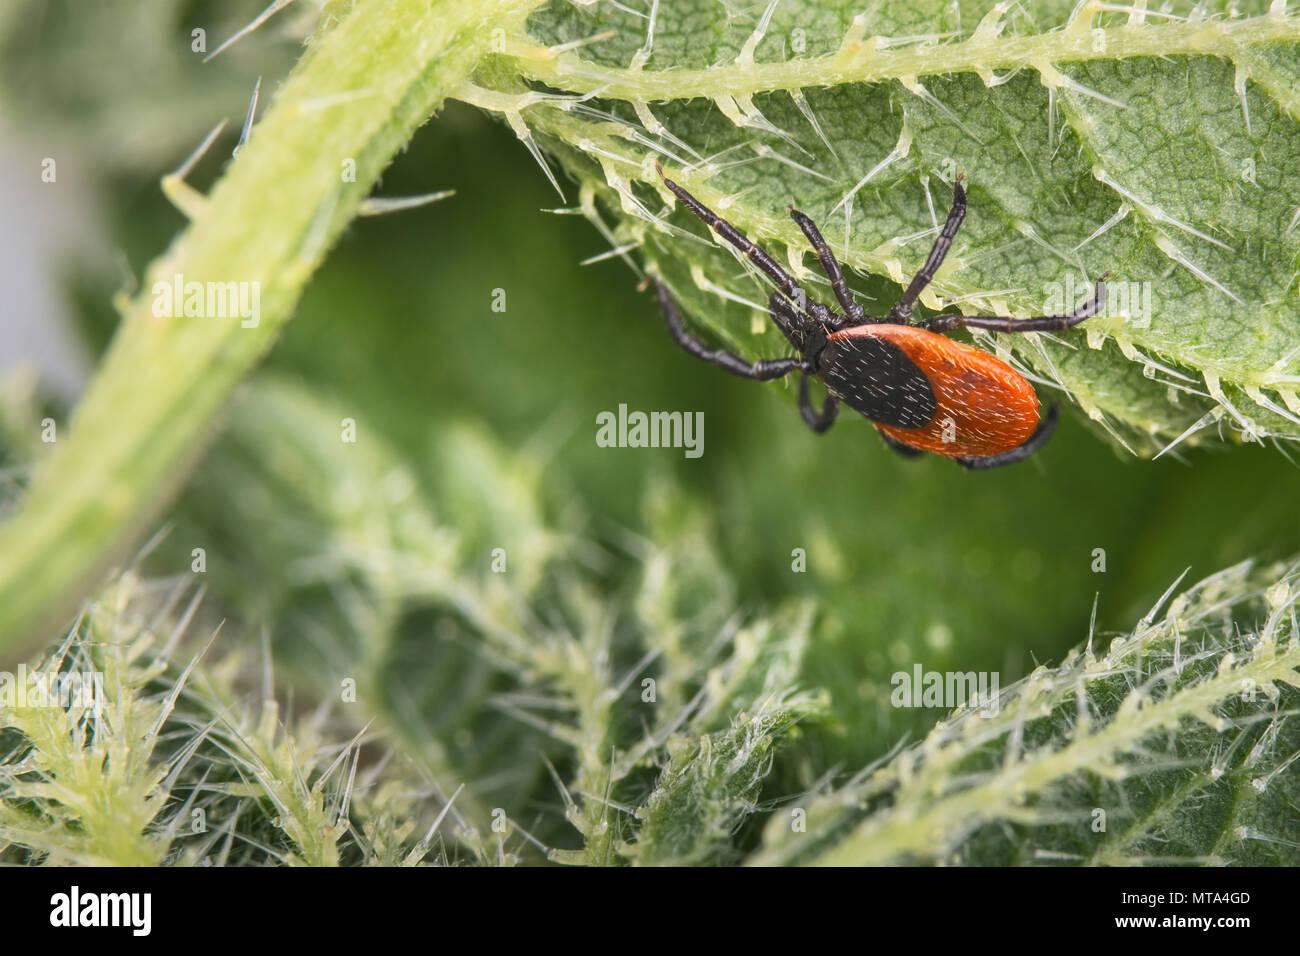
(353, 100)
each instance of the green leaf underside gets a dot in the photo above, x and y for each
(1162, 150)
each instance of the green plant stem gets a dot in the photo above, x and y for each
(356, 97)
(861, 60)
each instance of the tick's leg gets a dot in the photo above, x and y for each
(784, 315)
(1039, 323)
(902, 309)
(854, 313)
(734, 236)
(817, 421)
(763, 369)
(1034, 442)
(907, 451)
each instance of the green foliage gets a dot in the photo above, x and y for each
(648, 735)
(166, 763)
(451, 699)
(548, 656)
(1170, 747)
(1153, 145)
(269, 221)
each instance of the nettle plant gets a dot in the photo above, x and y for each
(1157, 144)
(637, 731)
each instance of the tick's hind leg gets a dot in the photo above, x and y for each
(1031, 444)
(907, 451)
(763, 369)
(817, 421)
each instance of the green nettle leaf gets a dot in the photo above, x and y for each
(132, 757)
(1169, 746)
(710, 785)
(1158, 145)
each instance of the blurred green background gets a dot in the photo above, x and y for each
(907, 561)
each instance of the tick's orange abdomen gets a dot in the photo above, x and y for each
(984, 406)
